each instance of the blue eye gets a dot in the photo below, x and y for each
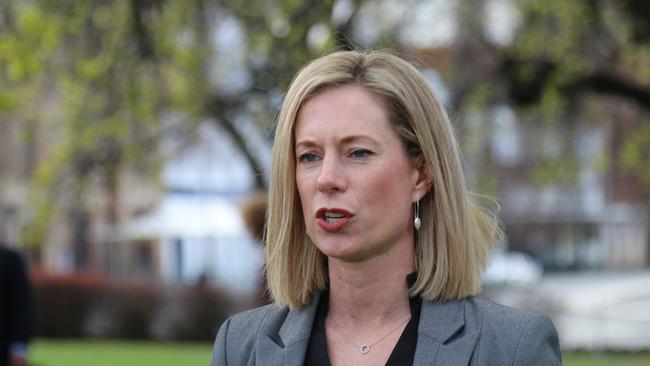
(360, 154)
(307, 158)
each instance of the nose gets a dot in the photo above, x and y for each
(332, 176)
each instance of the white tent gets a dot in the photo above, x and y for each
(197, 223)
(188, 216)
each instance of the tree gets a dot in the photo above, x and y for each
(564, 55)
(92, 83)
(95, 83)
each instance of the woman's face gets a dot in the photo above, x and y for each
(355, 181)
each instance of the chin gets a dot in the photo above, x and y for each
(339, 249)
(352, 253)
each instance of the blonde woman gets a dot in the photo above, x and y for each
(374, 245)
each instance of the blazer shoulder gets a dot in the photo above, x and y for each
(246, 325)
(250, 318)
(518, 336)
(500, 314)
(236, 337)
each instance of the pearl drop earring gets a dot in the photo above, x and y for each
(417, 222)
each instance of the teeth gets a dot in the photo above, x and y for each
(332, 215)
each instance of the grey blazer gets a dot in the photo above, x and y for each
(463, 332)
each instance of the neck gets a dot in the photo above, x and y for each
(371, 292)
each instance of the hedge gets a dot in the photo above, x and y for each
(84, 305)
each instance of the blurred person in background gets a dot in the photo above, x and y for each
(253, 211)
(374, 245)
(15, 309)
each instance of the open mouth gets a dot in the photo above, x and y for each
(333, 219)
(333, 216)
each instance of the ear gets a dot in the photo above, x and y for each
(422, 178)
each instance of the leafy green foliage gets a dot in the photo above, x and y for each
(94, 80)
(98, 78)
(635, 154)
(78, 68)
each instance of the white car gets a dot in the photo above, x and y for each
(511, 268)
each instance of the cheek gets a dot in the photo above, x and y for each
(389, 189)
(304, 194)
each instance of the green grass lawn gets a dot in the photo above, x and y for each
(112, 353)
(606, 359)
(118, 353)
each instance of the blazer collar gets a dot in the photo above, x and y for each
(443, 337)
(441, 320)
(298, 323)
(284, 340)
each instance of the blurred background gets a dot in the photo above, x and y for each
(135, 143)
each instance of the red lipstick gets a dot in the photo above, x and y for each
(333, 219)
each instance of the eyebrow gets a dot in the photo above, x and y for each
(306, 144)
(346, 140)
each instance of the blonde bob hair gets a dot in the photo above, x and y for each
(456, 232)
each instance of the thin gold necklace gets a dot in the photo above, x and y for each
(365, 348)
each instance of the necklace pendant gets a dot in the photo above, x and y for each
(364, 349)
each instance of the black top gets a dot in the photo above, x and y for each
(402, 354)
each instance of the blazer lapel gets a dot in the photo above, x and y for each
(440, 341)
(284, 341)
